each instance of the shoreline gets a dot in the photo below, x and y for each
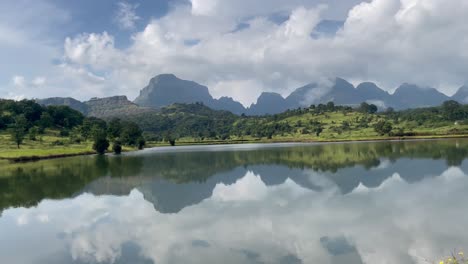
(23, 159)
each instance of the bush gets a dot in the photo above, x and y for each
(141, 143)
(383, 127)
(101, 144)
(172, 142)
(117, 147)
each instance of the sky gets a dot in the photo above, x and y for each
(238, 48)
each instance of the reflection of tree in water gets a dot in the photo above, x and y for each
(27, 184)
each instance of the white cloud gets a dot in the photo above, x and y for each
(126, 16)
(19, 81)
(38, 81)
(386, 41)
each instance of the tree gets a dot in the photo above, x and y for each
(33, 133)
(331, 106)
(91, 124)
(130, 134)
(372, 109)
(383, 127)
(368, 108)
(141, 143)
(452, 110)
(172, 142)
(18, 130)
(101, 144)
(318, 130)
(45, 121)
(64, 116)
(117, 147)
(114, 128)
(170, 139)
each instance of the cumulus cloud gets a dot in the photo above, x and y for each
(126, 16)
(388, 41)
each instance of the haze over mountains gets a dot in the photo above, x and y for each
(167, 89)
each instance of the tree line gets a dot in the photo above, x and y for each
(28, 119)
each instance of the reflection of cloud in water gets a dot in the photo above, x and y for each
(248, 222)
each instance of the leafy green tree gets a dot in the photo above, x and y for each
(330, 106)
(64, 116)
(130, 134)
(101, 144)
(33, 132)
(368, 108)
(117, 147)
(114, 128)
(452, 110)
(89, 124)
(141, 143)
(45, 121)
(318, 130)
(18, 130)
(383, 127)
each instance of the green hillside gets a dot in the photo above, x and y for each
(196, 123)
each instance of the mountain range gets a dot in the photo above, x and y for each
(167, 89)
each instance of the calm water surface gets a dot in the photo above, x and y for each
(387, 202)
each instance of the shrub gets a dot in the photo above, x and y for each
(117, 147)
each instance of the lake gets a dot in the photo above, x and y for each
(368, 202)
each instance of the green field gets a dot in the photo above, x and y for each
(47, 145)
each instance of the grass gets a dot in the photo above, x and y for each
(47, 145)
(330, 123)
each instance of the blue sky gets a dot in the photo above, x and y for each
(237, 48)
(99, 16)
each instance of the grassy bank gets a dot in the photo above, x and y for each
(46, 149)
(47, 146)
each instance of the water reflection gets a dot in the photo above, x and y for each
(339, 203)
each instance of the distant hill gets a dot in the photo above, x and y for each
(68, 101)
(167, 89)
(115, 106)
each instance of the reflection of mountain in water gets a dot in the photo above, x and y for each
(175, 180)
(170, 197)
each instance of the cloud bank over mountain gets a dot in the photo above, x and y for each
(241, 49)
